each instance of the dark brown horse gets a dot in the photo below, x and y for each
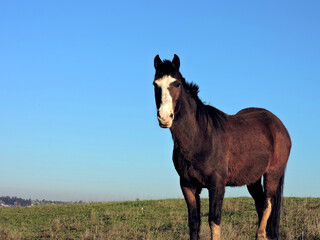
(213, 149)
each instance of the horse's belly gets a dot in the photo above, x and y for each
(245, 174)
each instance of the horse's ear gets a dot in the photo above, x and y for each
(157, 62)
(176, 61)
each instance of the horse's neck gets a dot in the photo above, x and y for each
(185, 129)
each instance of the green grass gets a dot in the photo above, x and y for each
(159, 219)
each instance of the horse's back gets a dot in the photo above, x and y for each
(266, 118)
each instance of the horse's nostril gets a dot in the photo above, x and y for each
(171, 115)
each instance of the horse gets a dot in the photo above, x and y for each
(213, 150)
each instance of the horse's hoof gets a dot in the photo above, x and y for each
(261, 236)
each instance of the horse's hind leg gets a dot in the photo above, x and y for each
(257, 194)
(273, 185)
(261, 233)
(263, 207)
(271, 189)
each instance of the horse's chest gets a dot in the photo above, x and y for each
(189, 169)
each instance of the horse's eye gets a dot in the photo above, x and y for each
(176, 84)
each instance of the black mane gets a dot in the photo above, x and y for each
(214, 117)
(192, 88)
(167, 69)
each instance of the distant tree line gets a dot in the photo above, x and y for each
(15, 201)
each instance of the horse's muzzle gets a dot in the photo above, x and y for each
(165, 124)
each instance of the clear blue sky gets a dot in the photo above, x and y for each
(77, 111)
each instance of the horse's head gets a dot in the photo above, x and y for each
(167, 88)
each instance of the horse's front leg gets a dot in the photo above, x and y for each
(216, 194)
(192, 198)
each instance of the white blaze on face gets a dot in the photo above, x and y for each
(166, 107)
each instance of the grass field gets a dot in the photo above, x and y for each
(157, 219)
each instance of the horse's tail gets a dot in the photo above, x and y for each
(274, 219)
